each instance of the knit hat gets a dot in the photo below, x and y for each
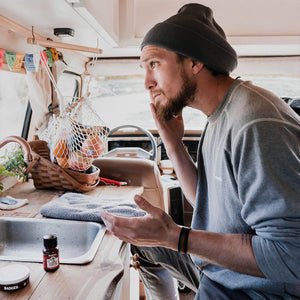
(194, 33)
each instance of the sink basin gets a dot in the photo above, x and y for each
(21, 239)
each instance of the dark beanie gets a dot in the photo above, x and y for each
(194, 33)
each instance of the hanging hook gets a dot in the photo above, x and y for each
(33, 36)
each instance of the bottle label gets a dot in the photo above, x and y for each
(51, 261)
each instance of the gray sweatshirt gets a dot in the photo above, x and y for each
(249, 182)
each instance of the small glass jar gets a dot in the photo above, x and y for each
(50, 253)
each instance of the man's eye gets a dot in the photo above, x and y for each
(153, 64)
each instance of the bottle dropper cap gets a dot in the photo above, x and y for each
(50, 241)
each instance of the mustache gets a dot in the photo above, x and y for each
(154, 93)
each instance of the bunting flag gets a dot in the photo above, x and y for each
(44, 58)
(18, 61)
(36, 60)
(49, 57)
(31, 61)
(10, 59)
(54, 54)
(2, 51)
(29, 64)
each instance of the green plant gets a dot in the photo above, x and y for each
(13, 164)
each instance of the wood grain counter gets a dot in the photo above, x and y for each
(106, 277)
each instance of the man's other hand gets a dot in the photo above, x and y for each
(156, 228)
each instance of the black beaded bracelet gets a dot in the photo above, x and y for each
(183, 239)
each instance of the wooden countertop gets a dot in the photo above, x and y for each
(106, 277)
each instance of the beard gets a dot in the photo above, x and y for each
(175, 105)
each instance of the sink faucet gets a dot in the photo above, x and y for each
(22, 142)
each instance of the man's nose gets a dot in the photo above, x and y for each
(149, 82)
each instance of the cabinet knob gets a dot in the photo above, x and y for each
(134, 262)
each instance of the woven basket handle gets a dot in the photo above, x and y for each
(36, 158)
(76, 184)
(22, 142)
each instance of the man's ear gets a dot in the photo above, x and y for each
(197, 66)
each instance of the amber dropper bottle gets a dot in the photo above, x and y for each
(50, 253)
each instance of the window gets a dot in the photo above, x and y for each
(69, 84)
(280, 75)
(120, 101)
(119, 97)
(282, 86)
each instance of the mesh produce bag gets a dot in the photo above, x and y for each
(76, 137)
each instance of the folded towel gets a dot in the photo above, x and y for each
(8, 203)
(73, 206)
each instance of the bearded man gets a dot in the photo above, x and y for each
(244, 242)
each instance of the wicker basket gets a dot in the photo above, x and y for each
(47, 175)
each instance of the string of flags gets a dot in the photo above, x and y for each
(31, 61)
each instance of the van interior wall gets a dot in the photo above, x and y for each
(277, 65)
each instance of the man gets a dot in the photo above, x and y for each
(245, 236)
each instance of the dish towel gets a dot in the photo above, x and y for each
(8, 203)
(73, 206)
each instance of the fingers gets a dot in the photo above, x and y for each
(152, 107)
(119, 226)
(113, 223)
(143, 204)
(107, 219)
(149, 230)
(179, 116)
(153, 111)
(105, 215)
(153, 211)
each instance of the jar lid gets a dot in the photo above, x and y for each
(13, 274)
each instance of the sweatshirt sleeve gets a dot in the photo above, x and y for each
(266, 163)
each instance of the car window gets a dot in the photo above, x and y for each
(68, 84)
(282, 86)
(120, 101)
(125, 101)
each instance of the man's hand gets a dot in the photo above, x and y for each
(171, 131)
(156, 228)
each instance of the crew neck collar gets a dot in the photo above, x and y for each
(214, 116)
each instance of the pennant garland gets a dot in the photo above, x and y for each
(44, 58)
(49, 57)
(2, 52)
(29, 64)
(31, 61)
(10, 58)
(54, 54)
(18, 61)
